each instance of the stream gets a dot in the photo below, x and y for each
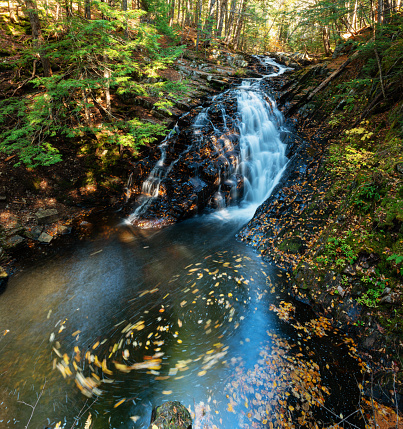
(98, 335)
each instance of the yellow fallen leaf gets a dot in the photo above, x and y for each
(166, 392)
(119, 403)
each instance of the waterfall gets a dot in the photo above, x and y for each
(260, 157)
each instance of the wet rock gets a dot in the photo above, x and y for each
(14, 231)
(236, 60)
(3, 195)
(34, 233)
(45, 238)
(14, 241)
(3, 279)
(372, 340)
(170, 415)
(45, 216)
(391, 298)
(63, 229)
(341, 291)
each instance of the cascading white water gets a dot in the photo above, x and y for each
(262, 152)
(262, 158)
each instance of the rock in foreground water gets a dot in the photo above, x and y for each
(170, 415)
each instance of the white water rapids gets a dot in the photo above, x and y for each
(262, 158)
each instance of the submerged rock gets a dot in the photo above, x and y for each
(170, 415)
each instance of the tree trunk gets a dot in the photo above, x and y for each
(67, 7)
(230, 20)
(223, 10)
(172, 13)
(37, 38)
(355, 13)
(326, 40)
(199, 25)
(380, 11)
(208, 24)
(87, 9)
(238, 27)
(178, 16)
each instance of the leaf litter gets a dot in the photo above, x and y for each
(283, 389)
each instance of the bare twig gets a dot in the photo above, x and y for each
(335, 415)
(83, 411)
(26, 80)
(372, 399)
(396, 403)
(33, 406)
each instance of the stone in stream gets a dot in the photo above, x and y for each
(45, 238)
(170, 415)
(14, 241)
(3, 279)
(45, 216)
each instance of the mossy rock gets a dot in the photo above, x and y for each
(171, 415)
(291, 245)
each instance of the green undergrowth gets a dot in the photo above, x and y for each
(98, 67)
(359, 253)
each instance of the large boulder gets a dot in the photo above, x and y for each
(171, 415)
(192, 168)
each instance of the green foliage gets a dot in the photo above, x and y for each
(366, 197)
(397, 259)
(375, 287)
(94, 60)
(340, 249)
(338, 252)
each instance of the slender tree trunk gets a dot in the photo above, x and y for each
(87, 9)
(199, 24)
(67, 7)
(107, 76)
(354, 20)
(37, 36)
(380, 11)
(326, 40)
(223, 10)
(189, 20)
(238, 27)
(230, 20)
(208, 24)
(386, 11)
(171, 13)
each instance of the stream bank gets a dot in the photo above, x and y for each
(334, 223)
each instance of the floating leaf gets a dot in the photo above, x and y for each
(119, 403)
